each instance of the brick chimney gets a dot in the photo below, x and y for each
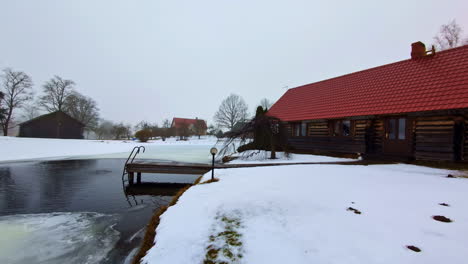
(418, 50)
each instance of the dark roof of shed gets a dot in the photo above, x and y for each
(436, 82)
(49, 114)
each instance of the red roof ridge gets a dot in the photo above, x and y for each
(433, 82)
(381, 66)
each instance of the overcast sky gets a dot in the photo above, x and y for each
(149, 59)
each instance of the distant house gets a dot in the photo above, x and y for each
(184, 126)
(412, 109)
(54, 125)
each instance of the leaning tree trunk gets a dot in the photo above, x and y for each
(6, 124)
(273, 147)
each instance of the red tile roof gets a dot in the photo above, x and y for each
(177, 122)
(431, 83)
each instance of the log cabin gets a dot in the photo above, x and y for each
(415, 109)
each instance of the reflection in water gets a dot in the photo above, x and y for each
(151, 188)
(45, 188)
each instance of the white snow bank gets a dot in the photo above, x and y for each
(14, 148)
(56, 238)
(298, 214)
(261, 156)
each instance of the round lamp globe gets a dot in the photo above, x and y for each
(213, 151)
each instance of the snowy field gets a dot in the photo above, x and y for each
(318, 214)
(256, 156)
(193, 150)
(17, 149)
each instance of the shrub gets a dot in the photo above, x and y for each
(143, 135)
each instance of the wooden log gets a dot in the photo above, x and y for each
(434, 128)
(434, 123)
(434, 155)
(138, 177)
(438, 149)
(130, 178)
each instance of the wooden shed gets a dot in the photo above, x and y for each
(411, 109)
(54, 125)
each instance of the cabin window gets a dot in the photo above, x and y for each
(346, 128)
(396, 128)
(297, 130)
(303, 129)
(336, 131)
(392, 129)
(342, 128)
(402, 128)
(300, 129)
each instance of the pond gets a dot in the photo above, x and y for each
(76, 211)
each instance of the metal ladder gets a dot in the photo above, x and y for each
(130, 158)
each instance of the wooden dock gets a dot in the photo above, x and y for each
(142, 166)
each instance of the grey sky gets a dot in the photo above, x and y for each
(151, 59)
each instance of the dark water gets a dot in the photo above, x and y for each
(85, 186)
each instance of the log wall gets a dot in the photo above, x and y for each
(318, 129)
(434, 138)
(318, 139)
(465, 149)
(376, 135)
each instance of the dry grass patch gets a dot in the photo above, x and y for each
(354, 210)
(210, 181)
(442, 218)
(150, 233)
(413, 248)
(225, 245)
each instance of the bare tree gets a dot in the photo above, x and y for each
(261, 133)
(2, 109)
(17, 89)
(199, 127)
(104, 130)
(166, 123)
(166, 130)
(449, 36)
(183, 131)
(265, 104)
(83, 109)
(232, 110)
(56, 92)
(30, 111)
(120, 130)
(142, 125)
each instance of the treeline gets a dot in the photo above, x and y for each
(18, 103)
(110, 130)
(57, 94)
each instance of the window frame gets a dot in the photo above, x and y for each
(297, 129)
(339, 122)
(396, 128)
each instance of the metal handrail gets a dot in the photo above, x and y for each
(134, 153)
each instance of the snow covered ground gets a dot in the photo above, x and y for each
(15, 149)
(318, 214)
(255, 156)
(193, 150)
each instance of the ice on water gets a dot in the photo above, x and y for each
(57, 238)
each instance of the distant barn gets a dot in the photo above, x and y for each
(54, 125)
